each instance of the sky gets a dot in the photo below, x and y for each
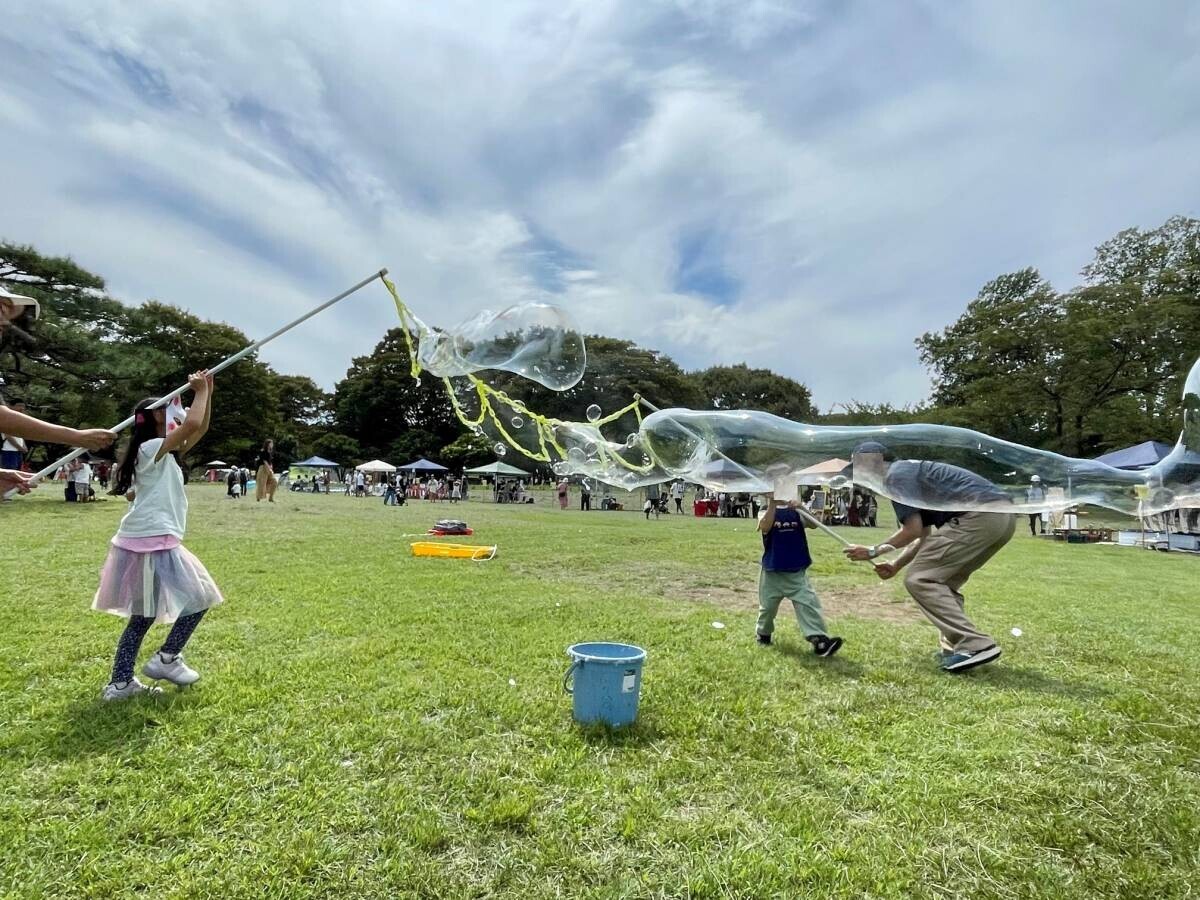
(801, 186)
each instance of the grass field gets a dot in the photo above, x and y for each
(356, 733)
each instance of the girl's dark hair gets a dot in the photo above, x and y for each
(270, 441)
(145, 428)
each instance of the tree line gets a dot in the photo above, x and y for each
(1086, 370)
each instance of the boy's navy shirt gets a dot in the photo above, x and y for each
(785, 546)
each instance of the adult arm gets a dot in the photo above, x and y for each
(910, 532)
(10, 479)
(20, 425)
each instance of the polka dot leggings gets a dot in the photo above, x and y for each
(135, 633)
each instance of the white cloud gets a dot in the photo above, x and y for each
(847, 177)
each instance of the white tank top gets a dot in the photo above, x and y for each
(160, 505)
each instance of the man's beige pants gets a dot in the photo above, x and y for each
(944, 562)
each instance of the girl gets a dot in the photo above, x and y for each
(149, 577)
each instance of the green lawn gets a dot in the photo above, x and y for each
(356, 733)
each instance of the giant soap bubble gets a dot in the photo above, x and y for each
(748, 451)
(534, 340)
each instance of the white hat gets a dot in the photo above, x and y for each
(1036, 478)
(20, 300)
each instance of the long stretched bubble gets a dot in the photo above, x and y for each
(935, 467)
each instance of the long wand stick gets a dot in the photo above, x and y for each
(800, 509)
(219, 367)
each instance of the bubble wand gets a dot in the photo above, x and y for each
(219, 367)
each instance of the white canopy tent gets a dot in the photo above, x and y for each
(822, 472)
(376, 467)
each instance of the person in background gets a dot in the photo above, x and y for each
(677, 490)
(389, 492)
(13, 454)
(83, 482)
(1036, 494)
(585, 496)
(265, 481)
(243, 479)
(784, 576)
(563, 487)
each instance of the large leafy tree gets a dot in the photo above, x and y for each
(386, 411)
(171, 342)
(89, 358)
(1084, 371)
(69, 366)
(741, 387)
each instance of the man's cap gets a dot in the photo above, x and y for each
(20, 300)
(873, 447)
(1036, 478)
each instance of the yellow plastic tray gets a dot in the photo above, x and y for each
(453, 551)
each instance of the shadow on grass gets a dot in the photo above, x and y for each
(639, 734)
(1018, 678)
(95, 728)
(834, 665)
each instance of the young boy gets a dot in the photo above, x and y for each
(784, 574)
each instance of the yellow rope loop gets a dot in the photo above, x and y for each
(545, 426)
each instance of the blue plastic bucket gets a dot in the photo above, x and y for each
(607, 682)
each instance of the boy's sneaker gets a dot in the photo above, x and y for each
(764, 639)
(173, 670)
(824, 645)
(123, 690)
(960, 662)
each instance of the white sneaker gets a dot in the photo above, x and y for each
(175, 671)
(116, 690)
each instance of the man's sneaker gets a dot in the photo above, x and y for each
(823, 645)
(763, 638)
(174, 670)
(942, 655)
(960, 662)
(123, 690)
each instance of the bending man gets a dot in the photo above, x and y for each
(940, 548)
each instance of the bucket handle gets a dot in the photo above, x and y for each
(568, 677)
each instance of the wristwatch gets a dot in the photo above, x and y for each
(872, 552)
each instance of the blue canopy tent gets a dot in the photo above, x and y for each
(317, 462)
(1143, 456)
(424, 465)
(1139, 456)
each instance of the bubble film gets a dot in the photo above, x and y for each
(534, 340)
(934, 467)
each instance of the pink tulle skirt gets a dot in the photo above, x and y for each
(163, 584)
